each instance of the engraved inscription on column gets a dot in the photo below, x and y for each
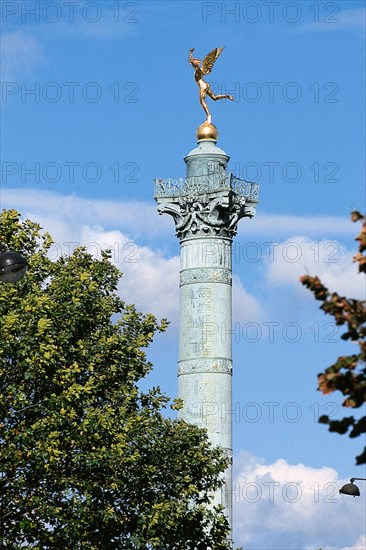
(196, 310)
(205, 319)
(192, 366)
(205, 275)
(207, 313)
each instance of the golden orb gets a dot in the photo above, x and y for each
(207, 131)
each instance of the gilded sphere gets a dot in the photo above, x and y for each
(207, 131)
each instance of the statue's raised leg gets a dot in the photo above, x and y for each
(219, 96)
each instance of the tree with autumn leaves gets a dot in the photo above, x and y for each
(348, 373)
(87, 459)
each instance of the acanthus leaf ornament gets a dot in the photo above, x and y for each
(214, 211)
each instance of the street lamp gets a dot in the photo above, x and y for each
(350, 488)
(12, 265)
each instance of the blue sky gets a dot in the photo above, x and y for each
(114, 105)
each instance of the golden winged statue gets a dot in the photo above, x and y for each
(199, 72)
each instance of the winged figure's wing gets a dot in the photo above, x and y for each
(210, 59)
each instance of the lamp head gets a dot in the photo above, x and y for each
(350, 489)
(12, 266)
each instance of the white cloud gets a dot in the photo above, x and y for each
(292, 506)
(152, 281)
(124, 214)
(81, 18)
(245, 306)
(329, 260)
(276, 224)
(21, 52)
(333, 20)
(360, 544)
(352, 19)
(135, 218)
(100, 21)
(151, 278)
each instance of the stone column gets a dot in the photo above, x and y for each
(206, 207)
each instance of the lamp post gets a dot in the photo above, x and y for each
(350, 488)
(12, 265)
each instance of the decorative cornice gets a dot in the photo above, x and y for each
(212, 181)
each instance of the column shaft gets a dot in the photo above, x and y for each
(205, 347)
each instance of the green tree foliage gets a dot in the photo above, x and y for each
(87, 459)
(348, 373)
